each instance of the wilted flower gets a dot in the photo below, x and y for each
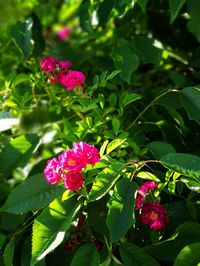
(73, 180)
(52, 171)
(63, 33)
(143, 190)
(48, 64)
(154, 215)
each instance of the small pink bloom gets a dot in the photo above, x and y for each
(52, 171)
(48, 64)
(88, 153)
(63, 65)
(73, 79)
(143, 190)
(69, 160)
(154, 215)
(73, 180)
(63, 33)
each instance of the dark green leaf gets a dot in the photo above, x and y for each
(190, 98)
(121, 209)
(104, 11)
(191, 184)
(132, 255)
(8, 254)
(50, 226)
(185, 164)
(21, 33)
(33, 194)
(160, 148)
(16, 153)
(146, 50)
(86, 255)
(126, 60)
(85, 16)
(193, 24)
(142, 4)
(175, 6)
(127, 98)
(182, 237)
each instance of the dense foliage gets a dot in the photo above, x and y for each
(99, 130)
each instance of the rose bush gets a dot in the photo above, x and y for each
(99, 130)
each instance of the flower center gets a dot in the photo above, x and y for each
(153, 216)
(71, 162)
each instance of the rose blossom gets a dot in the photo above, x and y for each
(73, 180)
(69, 160)
(72, 79)
(88, 153)
(154, 215)
(63, 65)
(52, 171)
(63, 33)
(48, 64)
(143, 190)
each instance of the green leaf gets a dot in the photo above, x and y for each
(105, 180)
(8, 254)
(142, 4)
(160, 148)
(146, 50)
(85, 16)
(21, 32)
(18, 79)
(121, 209)
(126, 98)
(191, 184)
(148, 176)
(189, 255)
(104, 11)
(38, 39)
(16, 153)
(182, 237)
(114, 144)
(33, 194)
(126, 60)
(175, 7)
(190, 98)
(132, 255)
(50, 226)
(185, 164)
(86, 255)
(115, 125)
(7, 121)
(193, 24)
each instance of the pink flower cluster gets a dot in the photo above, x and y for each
(70, 164)
(153, 214)
(58, 71)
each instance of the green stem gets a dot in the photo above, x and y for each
(148, 106)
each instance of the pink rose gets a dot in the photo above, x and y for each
(63, 33)
(63, 65)
(88, 153)
(69, 160)
(53, 171)
(154, 215)
(48, 64)
(73, 180)
(73, 79)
